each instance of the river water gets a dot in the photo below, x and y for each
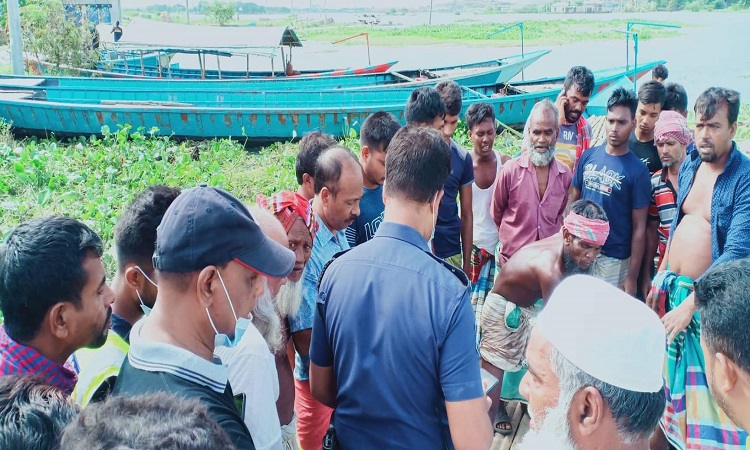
(711, 50)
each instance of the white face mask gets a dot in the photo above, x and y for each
(240, 323)
(146, 310)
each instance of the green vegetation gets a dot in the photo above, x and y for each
(221, 13)
(535, 32)
(49, 35)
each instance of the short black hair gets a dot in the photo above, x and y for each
(711, 100)
(41, 264)
(451, 94)
(310, 147)
(660, 71)
(417, 164)
(582, 77)
(478, 113)
(652, 93)
(723, 299)
(329, 167)
(33, 414)
(424, 105)
(378, 130)
(676, 98)
(589, 210)
(135, 231)
(158, 421)
(623, 97)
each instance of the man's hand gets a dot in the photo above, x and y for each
(467, 268)
(652, 301)
(677, 320)
(561, 102)
(630, 285)
(646, 285)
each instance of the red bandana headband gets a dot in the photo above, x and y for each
(591, 231)
(287, 206)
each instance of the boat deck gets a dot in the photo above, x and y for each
(520, 421)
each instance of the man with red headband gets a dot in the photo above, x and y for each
(296, 216)
(672, 137)
(525, 283)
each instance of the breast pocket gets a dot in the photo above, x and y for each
(552, 204)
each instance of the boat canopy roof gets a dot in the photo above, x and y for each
(151, 35)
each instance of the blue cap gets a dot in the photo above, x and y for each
(207, 226)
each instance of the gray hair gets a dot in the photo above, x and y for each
(636, 413)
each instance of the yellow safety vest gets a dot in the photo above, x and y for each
(97, 366)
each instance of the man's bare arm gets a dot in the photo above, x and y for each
(574, 195)
(323, 384)
(467, 226)
(469, 424)
(301, 340)
(637, 247)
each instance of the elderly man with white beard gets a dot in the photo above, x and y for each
(251, 364)
(294, 212)
(592, 383)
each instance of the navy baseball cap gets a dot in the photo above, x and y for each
(207, 226)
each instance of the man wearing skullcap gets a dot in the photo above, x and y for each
(295, 214)
(593, 383)
(712, 226)
(672, 137)
(526, 281)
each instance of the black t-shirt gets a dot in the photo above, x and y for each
(221, 406)
(646, 152)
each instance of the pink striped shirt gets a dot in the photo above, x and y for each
(522, 218)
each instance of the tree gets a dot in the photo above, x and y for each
(51, 35)
(221, 12)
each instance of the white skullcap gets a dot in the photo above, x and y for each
(606, 333)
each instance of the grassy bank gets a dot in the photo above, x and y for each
(94, 179)
(536, 32)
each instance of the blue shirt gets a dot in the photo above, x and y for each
(325, 245)
(447, 241)
(730, 205)
(371, 209)
(399, 332)
(619, 184)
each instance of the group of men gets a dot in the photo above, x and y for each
(359, 310)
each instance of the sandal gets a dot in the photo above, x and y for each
(502, 420)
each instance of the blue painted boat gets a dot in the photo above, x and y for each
(250, 118)
(488, 73)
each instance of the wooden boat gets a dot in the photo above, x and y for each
(476, 74)
(251, 118)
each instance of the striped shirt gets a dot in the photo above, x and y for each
(17, 359)
(663, 207)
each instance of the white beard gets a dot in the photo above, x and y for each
(267, 321)
(289, 298)
(554, 430)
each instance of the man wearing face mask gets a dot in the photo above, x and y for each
(134, 288)
(212, 260)
(394, 327)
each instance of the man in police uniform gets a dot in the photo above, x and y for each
(389, 313)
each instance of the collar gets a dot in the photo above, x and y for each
(27, 360)
(402, 233)
(160, 357)
(324, 233)
(525, 161)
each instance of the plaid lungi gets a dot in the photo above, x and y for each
(482, 278)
